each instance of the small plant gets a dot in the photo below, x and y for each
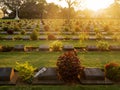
(77, 29)
(106, 28)
(5, 28)
(51, 37)
(112, 71)
(103, 45)
(68, 66)
(56, 46)
(66, 29)
(46, 28)
(34, 35)
(10, 31)
(99, 35)
(25, 70)
(83, 36)
(7, 48)
(16, 28)
(23, 32)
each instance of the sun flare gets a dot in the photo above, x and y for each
(96, 5)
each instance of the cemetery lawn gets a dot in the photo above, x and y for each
(49, 59)
(64, 87)
(48, 42)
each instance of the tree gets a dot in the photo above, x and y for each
(14, 5)
(114, 9)
(70, 4)
(52, 10)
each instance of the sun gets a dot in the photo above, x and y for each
(96, 5)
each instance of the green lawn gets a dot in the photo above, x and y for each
(39, 42)
(67, 87)
(48, 59)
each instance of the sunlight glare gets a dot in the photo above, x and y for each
(96, 5)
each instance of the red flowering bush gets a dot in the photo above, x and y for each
(68, 66)
(112, 71)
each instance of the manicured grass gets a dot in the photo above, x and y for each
(48, 59)
(39, 42)
(66, 87)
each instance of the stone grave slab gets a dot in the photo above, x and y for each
(104, 33)
(16, 33)
(3, 32)
(77, 33)
(108, 38)
(43, 48)
(42, 33)
(60, 38)
(94, 76)
(67, 33)
(19, 47)
(9, 38)
(42, 38)
(26, 37)
(92, 48)
(92, 37)
(49, 77)
(75, 38)
(7, 76)
(92, 33)
(28, 33)
(55, 33)
(68, 47)
(67, 38)
(114, 48)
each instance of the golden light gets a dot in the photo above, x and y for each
(1, 14)
(96, 5)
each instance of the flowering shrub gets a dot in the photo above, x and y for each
(51, 37)
(34, 35)
(25, 70)
(103, 45)
(56, 46)
(112, 71)
(68, 66)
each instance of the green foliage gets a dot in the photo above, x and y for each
(103, 45)
(56, 45)
(77, 29)
(23, 32)
(7, 48)
(5, 28)
(99, 35)
(112, 71)
(51, 36)
(34, 35)
(66, 29)
(46, 28)
(25, 70)
(68, 66)
(83, 36)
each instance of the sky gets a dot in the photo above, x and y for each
(90, 4)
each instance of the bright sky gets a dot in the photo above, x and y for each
(90, 4)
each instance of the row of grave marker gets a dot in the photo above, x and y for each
(21, 47)
(56, 38)
(89, 76)
(58, 33)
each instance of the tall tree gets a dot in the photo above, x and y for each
(13, 4)
(70, 4)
